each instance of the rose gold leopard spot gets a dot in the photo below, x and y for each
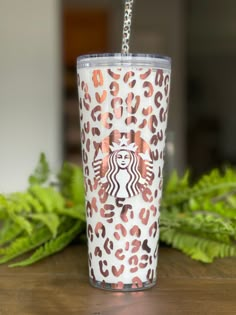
(124, 212)
(144, 261)
(158, 97)
(135, 231)
(95, 113)
(102, 195)
(145, 246)
(119, 254)
(86, 170)
(108, 246)
(143, 124)
(132, 108)
(90, 185)
(159, 78)
(150, 90)
(144, 215)
(133, 269)
(137, 283)
(147, 195)
(128, 75)
(136, 246)
(100, 227)
(163, 114)
(84, 157)
(144, 76)
(160, 135)
(98, 252)
(127, 246)
(117, 272)
(131, 120)
(102, 266)
(105, 117)
(114, 75)
(96, 131)
(88, 145)
(87, 97)
(155, 155)
(118, 286)
(114, 88)
(116, 104)
(133, 260)
(87, 127)
(154, 208)
(167, 85)
(153, 123)
(121, 228)
(86, 105)
(90, 232)
(147, 111)
(154, 140)
(84, 87)
(152, 228)
(101, 98)
(107, 215)
(97, 78)
(120, 202)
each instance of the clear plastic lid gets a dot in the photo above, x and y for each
(118, 59)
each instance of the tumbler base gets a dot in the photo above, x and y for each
(121, 287)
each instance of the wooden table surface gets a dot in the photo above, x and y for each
(59, 285)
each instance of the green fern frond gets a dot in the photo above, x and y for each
(51, 220)
(24, 244)
(41, 173)
(72, 183)
(21, 221)
(48, 197)
(197, 247)
(52, 247)
(18, 202)
(75, 212)
(221, 207)
(9, 232)
(211, 184)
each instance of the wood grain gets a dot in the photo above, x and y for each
(59, 285)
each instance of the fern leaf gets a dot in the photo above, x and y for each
(18, 202)
(211, 184)
(26, 243)
(51, 220)
(9, 232)
(41, 172)
(196, 247)
(75, 212)
(33, 203)
(49, 198)
(22, 222)
(52, 246)
(72, 183)
(3, 206)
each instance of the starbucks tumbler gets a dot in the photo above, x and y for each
(123, 106)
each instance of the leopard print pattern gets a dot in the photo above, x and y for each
(123, 118)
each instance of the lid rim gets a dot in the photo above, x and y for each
(87, 60)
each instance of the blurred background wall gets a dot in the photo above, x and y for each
(40, 41)
(30, 88)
